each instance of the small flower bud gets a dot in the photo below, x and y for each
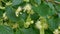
(4, 16)
(8, 3)
(32, 22)
(59, 27)
(15, 26)
(26, 25)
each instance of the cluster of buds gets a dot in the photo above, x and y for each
(39, 25)
(56, 31)
(42, 23)
(18, 11)
(2, 7)
(15, 25)
(8, 3)
(28, 23)
(4, 16)
(27, 7)
(31, 12)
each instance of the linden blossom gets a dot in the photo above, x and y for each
(56, 31)
(38, 24)
(18, 11)
(27, 24)
(27, 7)
(2, 7)
(8, 3)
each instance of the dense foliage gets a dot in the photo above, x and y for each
(29, 16)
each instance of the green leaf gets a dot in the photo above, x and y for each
(57, 6)
(34, 17)
(1, 13)
(53, 23)
(16, 2)
(38, 1)
(59, 15)
(48, 31)
(43, 10)
(5, 30)
(12, 16)
(26, 31)
(50, 5)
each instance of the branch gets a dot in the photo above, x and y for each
(57, 2)
(53, 1)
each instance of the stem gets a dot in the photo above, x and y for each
(42, 30)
